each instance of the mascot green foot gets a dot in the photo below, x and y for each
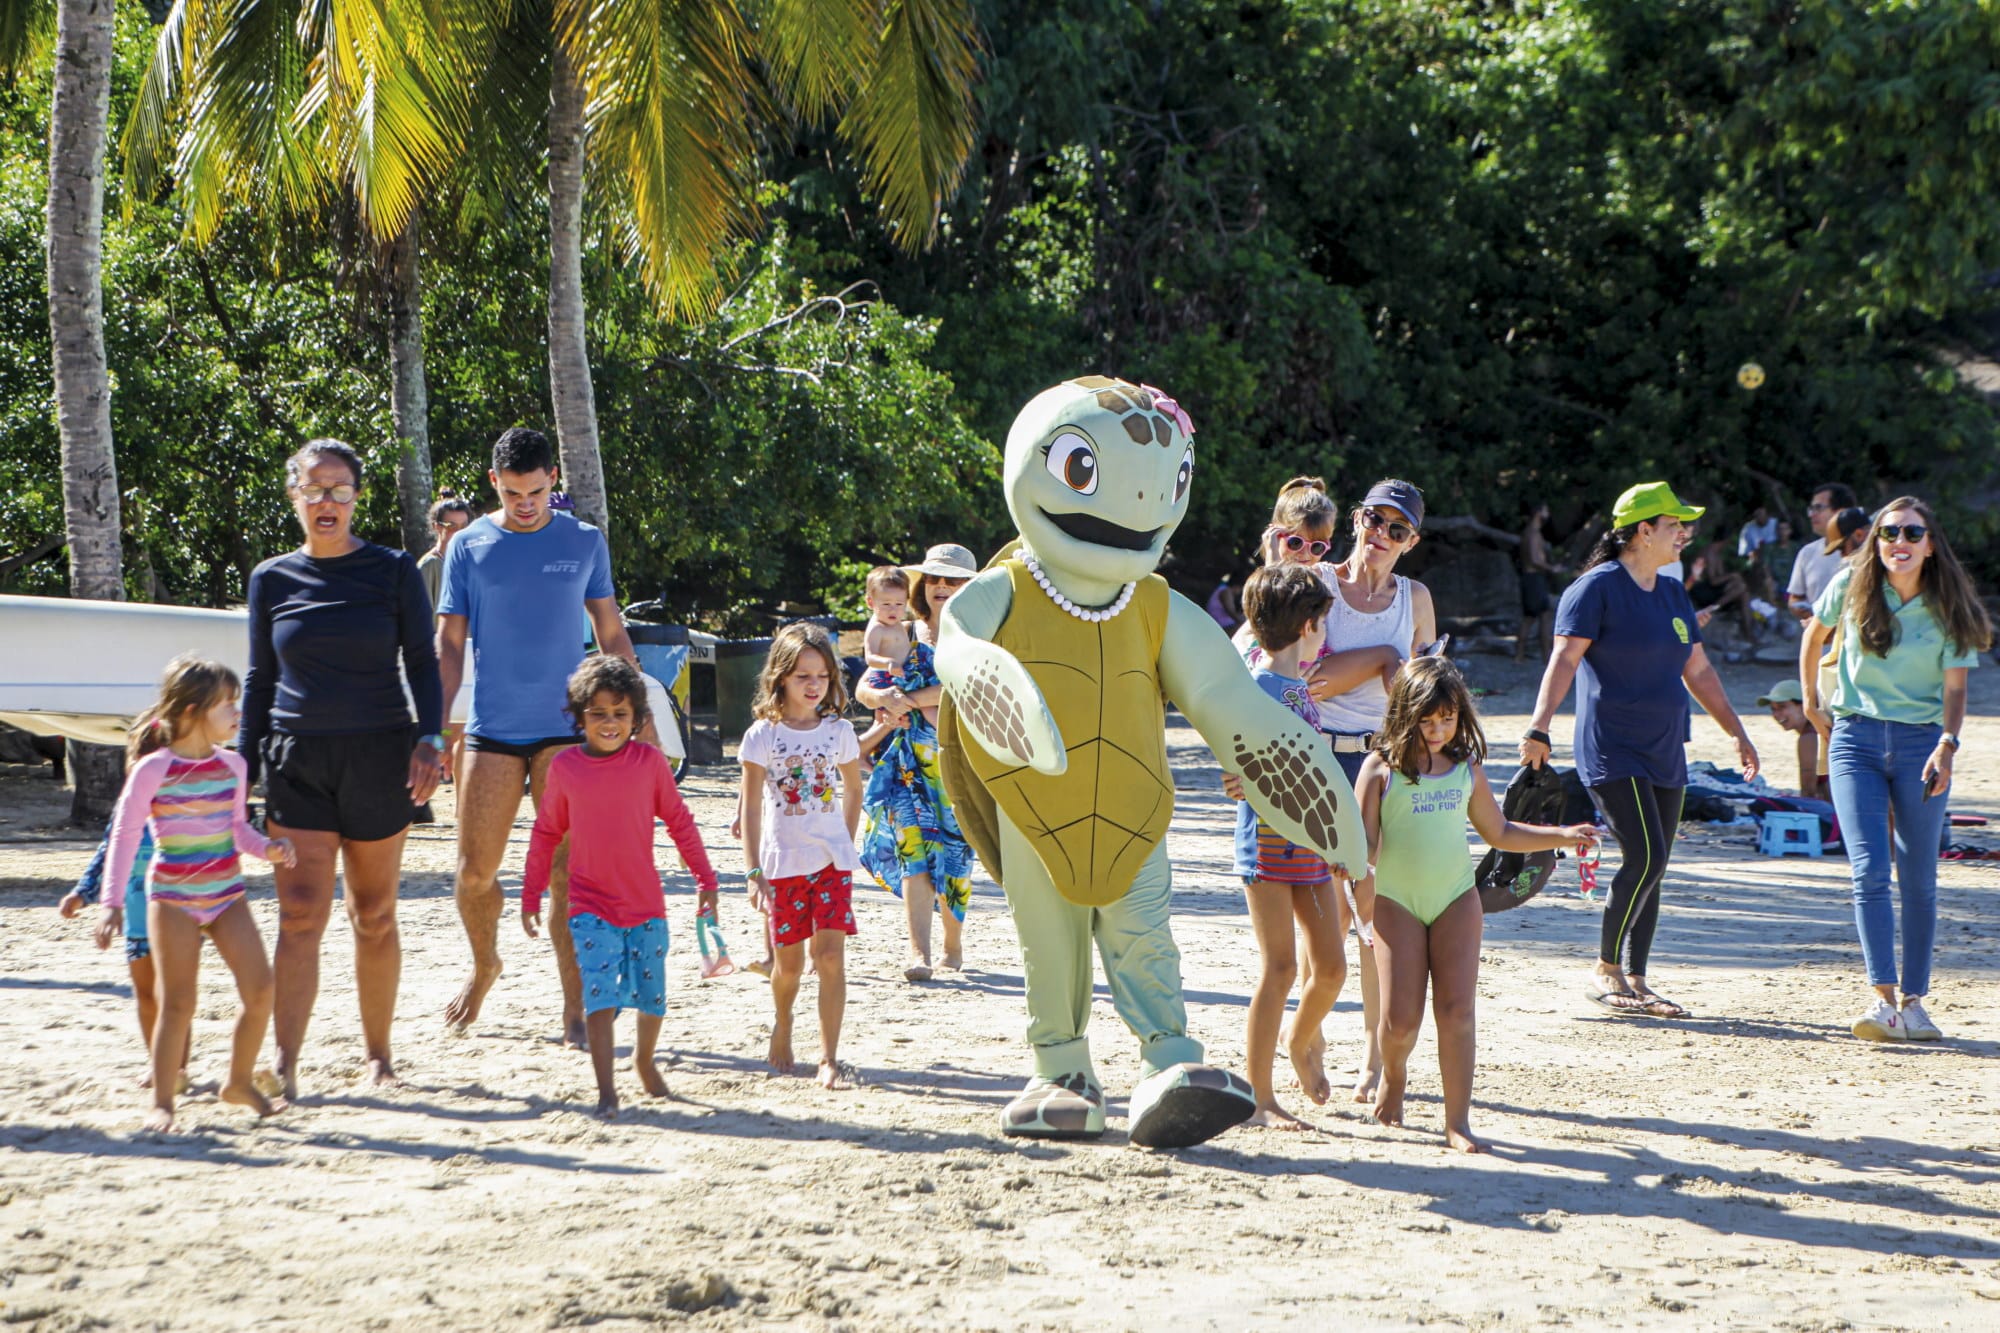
(1186, 1104)
(1067, 1106)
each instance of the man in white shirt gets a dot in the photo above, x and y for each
(1761, 530)
(1820, 559)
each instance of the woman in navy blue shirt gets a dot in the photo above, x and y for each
(336, 629)
(1630, 640)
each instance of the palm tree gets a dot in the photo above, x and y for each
(79, 109)
(666, 102)
(302, 111)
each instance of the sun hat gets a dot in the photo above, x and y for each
(1400, 496)
(1650, 500)
(949, 560)
(1784, 692)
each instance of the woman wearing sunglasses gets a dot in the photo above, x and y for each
(1378, 619)
(1630, 641)
(336, 627)
(1910, 625)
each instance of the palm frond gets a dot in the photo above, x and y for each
(26, 29)
(913, 119)
(818, 50)
(669, 96)
(147, 137)
(242, 138)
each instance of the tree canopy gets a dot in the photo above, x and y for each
(1510, 251)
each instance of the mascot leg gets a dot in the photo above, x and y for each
(1179, 1100)
(1064, 1099)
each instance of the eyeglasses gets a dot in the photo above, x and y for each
(1816, 507)
(340, 495)
(1398, 532)
(1291, 541)
(1906, 532)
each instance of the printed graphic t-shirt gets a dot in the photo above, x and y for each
(522, 594)
(804, 829)
(1632, 715)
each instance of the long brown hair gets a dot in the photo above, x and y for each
(1943, 583)
(1304, 507)
(190, 682)
(799, 637)
(1424, 686)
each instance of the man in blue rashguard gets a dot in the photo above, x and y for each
(525, 588)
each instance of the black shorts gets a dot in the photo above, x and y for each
(518, 749)
(1534, 592)
(355, 785)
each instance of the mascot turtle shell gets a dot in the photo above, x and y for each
(1094, 824)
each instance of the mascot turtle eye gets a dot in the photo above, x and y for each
(1073, 462)
(1184, 477)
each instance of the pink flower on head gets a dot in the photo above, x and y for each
(1166, 406)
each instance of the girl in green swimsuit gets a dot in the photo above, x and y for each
(1418, 788)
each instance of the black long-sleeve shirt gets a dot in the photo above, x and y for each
(325, 639)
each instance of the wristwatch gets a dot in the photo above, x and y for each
(1949, 738)
(435, 741)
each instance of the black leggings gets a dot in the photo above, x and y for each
(1644, 818)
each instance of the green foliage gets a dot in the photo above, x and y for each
(1509, 251)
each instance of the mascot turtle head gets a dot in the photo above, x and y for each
(1098, 473)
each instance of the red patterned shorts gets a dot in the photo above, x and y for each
(803, 904)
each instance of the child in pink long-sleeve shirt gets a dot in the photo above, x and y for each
(191, 792)
(604, 796)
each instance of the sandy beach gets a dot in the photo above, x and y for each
(1753, 1167)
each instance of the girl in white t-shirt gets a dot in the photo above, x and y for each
(801, 802)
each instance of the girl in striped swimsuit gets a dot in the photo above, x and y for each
(181, 783)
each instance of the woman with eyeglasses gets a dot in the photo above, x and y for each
(1911, 625)
(1630, 641)
(336, 627)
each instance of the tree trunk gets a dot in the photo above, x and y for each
(410, 393)
(569, 359)
(81, 107)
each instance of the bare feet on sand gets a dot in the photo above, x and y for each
(835, 1076)
(160, 1120)
(1276, 1117)
(463, 1011)
(779, 1056)
(952, 963)
(607, 1106)
(1460, 1138)
(651, 1079)
(576, 1036)
(918, 970)
(380, 1073)
(246, 1094)
(1388, 1108)
(1308, 1062)
(762, 967)
(1365, 1085)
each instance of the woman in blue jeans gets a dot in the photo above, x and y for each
(1910, 626)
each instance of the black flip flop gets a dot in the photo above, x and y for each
(1605, 998)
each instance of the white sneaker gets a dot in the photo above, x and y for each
(1882, 1022)
(1917, 1024)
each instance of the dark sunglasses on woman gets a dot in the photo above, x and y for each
(1398, 531)
(1904, 532)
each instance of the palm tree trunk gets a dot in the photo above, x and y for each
(82, 105)
(410, 401)
(77, 119)
(569, 358)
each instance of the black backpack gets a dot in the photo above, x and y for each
(1535, 796)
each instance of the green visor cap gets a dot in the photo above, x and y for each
(1650, 500)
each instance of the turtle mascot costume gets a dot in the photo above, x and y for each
(1057, 662)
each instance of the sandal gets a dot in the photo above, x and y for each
(1610, 996)
(1657, 1005)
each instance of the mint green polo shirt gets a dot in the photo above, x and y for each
(1908, 684)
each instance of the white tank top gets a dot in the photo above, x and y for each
(1362, 708)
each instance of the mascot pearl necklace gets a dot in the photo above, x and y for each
(1055, 758)
(1055, 595)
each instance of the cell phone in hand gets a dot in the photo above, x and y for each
(1436, 649)
(1935, 783)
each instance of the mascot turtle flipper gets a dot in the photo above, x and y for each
(1097, 478)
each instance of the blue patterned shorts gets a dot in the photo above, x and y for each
(623, 967)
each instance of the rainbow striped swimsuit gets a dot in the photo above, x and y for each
(200, 822)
